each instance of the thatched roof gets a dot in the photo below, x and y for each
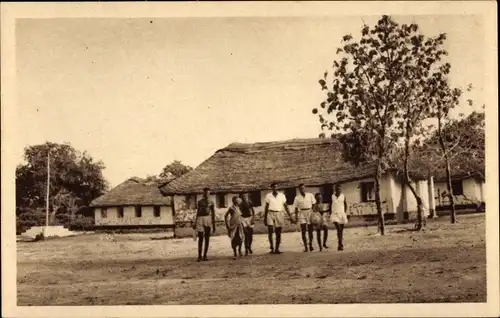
(134, 191)
(247, 167)
(462, 166)
(460, 172)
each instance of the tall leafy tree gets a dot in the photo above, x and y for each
(374, 98)
(75, 180)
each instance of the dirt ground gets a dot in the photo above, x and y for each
(446, 263)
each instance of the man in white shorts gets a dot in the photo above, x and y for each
(338, 214)
(273, 216)
(303, 204)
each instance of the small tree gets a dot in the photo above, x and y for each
(175, 169)
(377, 88)
(455, 138)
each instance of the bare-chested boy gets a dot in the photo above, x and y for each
(204, 222)
(248, 214)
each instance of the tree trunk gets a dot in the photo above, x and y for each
(453, 216)
(52, 217)
(378, 179)
(420, 215)
(431, 207)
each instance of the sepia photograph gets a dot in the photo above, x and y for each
(176, 155)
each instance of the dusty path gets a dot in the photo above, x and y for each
(444, 264)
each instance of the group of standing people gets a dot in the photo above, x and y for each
(311, 212)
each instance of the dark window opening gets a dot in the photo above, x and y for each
(457, 187)
(367, 191)
(120, 211)
(220, 200)
(104, 213)
(138, 212)
(326, 192)
(255, 198)
(157, 211)
(290, 194)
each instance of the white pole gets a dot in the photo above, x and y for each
(48, 190)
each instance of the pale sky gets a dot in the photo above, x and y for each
(140, 93)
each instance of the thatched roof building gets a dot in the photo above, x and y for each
(458, 173)
(134, 191)
(248, 167)
(462, 167)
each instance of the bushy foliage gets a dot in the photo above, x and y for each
(75, 180)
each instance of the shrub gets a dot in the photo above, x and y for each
(82, 223)
(26, 218)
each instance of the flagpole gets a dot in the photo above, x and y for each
(48, 190)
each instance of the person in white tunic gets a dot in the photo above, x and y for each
(338, 214)
(303, 204)
(273, 216)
